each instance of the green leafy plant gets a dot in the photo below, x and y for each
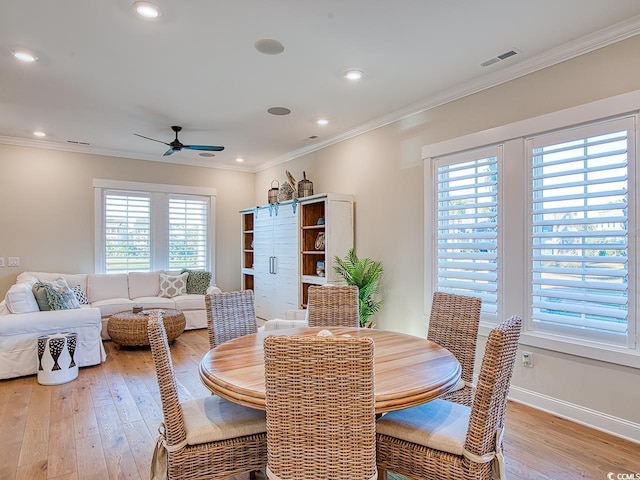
(364, 273)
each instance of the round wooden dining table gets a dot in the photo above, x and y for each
(408, 370)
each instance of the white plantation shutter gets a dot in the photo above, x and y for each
(467, 226)
(188, 232)
(580, 267)
(127, 228)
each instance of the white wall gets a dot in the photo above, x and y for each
(46, 208)
(382, 168)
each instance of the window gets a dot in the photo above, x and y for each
(467, 226)
(539, 218)
(187, 232)
(579, 231)
(146, 227)
(127, 228)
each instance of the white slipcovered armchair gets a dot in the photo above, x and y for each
(292, 319)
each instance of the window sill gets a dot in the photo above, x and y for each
(591, 350)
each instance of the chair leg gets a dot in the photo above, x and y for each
(252, 475)
(382, 474)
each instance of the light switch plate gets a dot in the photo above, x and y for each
(14, 261)
(1, 261)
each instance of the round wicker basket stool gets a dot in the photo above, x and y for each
(129, 329)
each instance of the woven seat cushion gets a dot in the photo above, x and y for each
(213, 419)
(439, 425)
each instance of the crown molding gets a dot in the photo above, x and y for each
(602, 38)
(89, 150)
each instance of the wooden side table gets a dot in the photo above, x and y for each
(130, 329)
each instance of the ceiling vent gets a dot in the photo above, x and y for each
(498, 58)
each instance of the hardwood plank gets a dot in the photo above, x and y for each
(35, 444)
(84, 416)
(91, 461)
(140, 437)
(17, 395)
(117, 453)
(62, 445)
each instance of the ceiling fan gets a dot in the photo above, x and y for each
(176, 145)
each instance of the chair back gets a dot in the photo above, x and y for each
(333, 306)
(490, 399)
(230, 315)
(320, 408)
(174, 430)
(453, 324)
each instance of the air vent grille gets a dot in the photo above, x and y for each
(498, 58)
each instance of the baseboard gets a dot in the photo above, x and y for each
(576, 413)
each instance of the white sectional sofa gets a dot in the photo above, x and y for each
(21, 321)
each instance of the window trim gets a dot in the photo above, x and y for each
(100, 185)
(513, 137)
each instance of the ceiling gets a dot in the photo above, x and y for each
(103, 73)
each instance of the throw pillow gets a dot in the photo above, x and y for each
(80, 295)
(58, 294)
(173, 285)
(40, 290)
(198, 281)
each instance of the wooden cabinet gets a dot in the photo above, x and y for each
(275, 250)
(285, 245)
(326, 231)
(247, 216)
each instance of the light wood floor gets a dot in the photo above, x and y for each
(103, 425)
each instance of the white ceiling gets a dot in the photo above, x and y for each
(104, 73)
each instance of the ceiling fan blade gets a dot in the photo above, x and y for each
(207, 148)
(169, 152)
(149, 138)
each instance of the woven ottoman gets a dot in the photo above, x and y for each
(56, 363)
(128, 329)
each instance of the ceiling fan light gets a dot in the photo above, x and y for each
(353, 74)
(24, 56)
(147, 9)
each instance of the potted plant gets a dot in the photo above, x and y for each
(364, 273)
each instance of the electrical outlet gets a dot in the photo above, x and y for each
(1, 261)
(14, 261)
(527, 359)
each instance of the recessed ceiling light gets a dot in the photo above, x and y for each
(269, 46)
(279, 111)
(39, 133)
(322, 121)
(353, 74)
(239, 159)
(207, 154)
(24, 56)
(147, 9)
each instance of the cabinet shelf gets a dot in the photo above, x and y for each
(313, 252)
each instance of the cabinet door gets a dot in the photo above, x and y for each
(262, 263)
(285, 251)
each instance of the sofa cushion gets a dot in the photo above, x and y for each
(107, 286)
(20, 299)
(197, 281)
(172, 286)
(73, 279)
(189, 302)
(144, 284)
(110, 306)
(155, 302)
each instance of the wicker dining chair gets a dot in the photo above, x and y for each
(205, 437)
(230, 315)
(453, 324)
(333, 306)
(442, 440)
(320, 408)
